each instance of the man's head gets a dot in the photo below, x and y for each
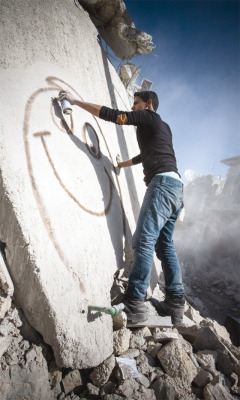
(146, 100)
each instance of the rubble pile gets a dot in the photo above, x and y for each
(193, 361)
(117, 28)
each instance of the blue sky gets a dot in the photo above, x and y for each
(195, 70)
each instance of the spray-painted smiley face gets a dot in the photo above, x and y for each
(91, 144)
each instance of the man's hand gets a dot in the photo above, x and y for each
(64, 94)
(118, 159)
(94, 109)
(123, 164)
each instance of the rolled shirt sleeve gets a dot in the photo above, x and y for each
(124, 117)
(137, 159)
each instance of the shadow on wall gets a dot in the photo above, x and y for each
(95, 156)
(91, 147)
(124, 151)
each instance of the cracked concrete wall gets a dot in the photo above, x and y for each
(66, 216)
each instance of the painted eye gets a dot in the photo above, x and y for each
(92, 141)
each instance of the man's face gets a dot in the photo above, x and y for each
(139, 104)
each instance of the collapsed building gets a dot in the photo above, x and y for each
(208, 240)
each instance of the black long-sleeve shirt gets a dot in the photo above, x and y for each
(154, 138)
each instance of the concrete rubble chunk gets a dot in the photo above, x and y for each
(117, 28)
(137, 341)
(5, 305)
(108, 388)
(131, 353)
(128, 75)
(92, 389)
(220, 330)
(202, 378)
(4, 344)
(71, 381)
(189, 333)
(55, 377)
(131, 389)
(216, 391)
(112, 397)
(119, 321)
(161, 336)
(128, 388)
(6, 283)
(145, 363)
(27, 380)
(121, 340)
(177, 363)
(154, 349)
(102, 372)
(193, 314)
(164, 390)
(226, 362)
(207, 360)
(207, 340)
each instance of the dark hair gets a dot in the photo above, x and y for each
(148, 94)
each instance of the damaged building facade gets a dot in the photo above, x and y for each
(208, 240)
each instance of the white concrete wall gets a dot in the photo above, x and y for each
(61, 215)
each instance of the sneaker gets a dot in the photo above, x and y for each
(135, 309)
(171, 306)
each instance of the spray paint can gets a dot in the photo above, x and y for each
(66, 106)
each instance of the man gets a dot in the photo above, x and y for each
(161, 206)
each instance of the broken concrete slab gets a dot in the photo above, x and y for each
(50, 220)
(117, 28)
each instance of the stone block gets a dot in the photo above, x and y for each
(202, 378)
(71, 381)
(177, 363)
(145, 363)
(207, 360)
(207, 340)
(92, 389)
(29, 381)
(121, 340)
(119, 321)
(164, 390)
(102, 372)
(220, 330)
(193, 314)
(137, 342)
(216, 391)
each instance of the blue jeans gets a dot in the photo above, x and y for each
(161, 207)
